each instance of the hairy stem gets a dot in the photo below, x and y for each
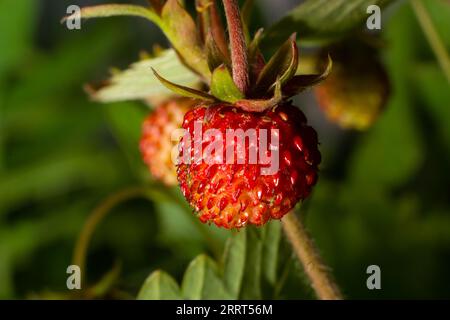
(238, 46)
(305, 250)
(432, 36)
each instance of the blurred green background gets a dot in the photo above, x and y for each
(382, 196)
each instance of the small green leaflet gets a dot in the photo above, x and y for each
(139, 82)
(319, 21)
(250, 269)
(159, 286)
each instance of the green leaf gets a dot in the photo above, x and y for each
(202, 280)
(243, 265)
(271, 240)
(184, 91)
(321, 20)
(282, 65)
(223, 86)
(252, 260)
(251, 267)
(159, 286)
(138, 82)
(234, 262)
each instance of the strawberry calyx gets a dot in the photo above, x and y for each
(270, 82)
(236, 73)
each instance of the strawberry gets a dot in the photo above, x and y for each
(243, 92)
(356, 92)
(156, 141)
(234, 195)
(246, 183)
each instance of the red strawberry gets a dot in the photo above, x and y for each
(156, 142)
(234, 195)
(242, 91)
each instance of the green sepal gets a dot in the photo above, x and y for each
(255, 57)
(181, 30)
(223, 86)
(282, 65)
(253, 47)
(246, 15)
(261, 105)
(214, 55)
(301, 82)
(184, 91)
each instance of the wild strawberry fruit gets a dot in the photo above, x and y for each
(243, 186)
(356, 92)
(232, 195)
(156, 142)
(245, 93)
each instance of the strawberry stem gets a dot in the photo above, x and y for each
(239, 61)
(305, 250)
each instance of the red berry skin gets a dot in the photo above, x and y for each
(233, 195)
(156, 142)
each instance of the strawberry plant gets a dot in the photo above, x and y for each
(248, 160)
(245, 93)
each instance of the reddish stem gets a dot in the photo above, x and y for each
(238, 47)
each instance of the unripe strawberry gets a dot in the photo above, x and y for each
(233, 194)
(156, 142)
(356, 92)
